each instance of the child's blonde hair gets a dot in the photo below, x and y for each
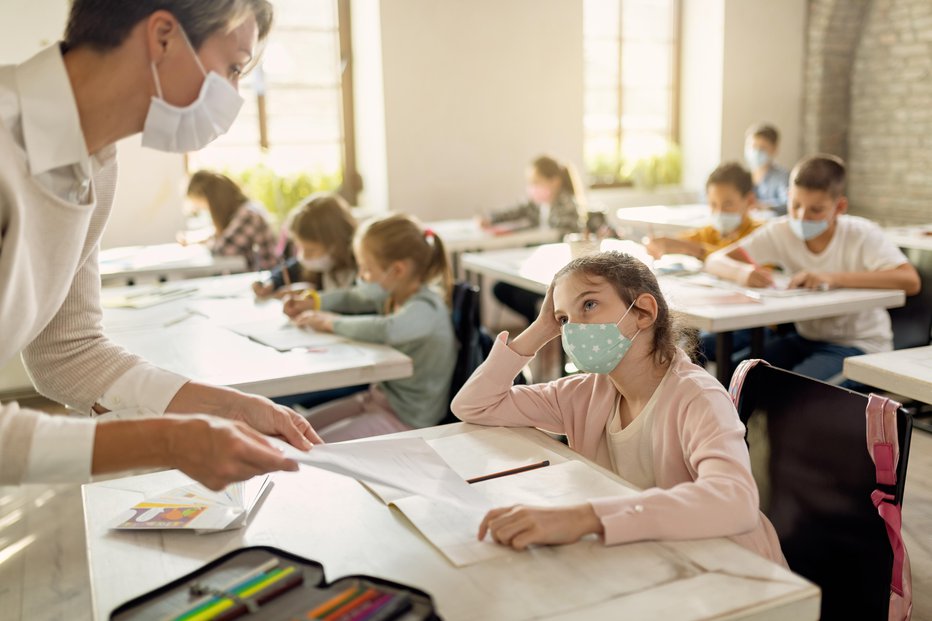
(400, 237)
(326, 219)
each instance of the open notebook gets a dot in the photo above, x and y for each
(427, 481)
(194, 507)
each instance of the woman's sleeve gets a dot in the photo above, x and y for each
(38, 448)
(721, 502)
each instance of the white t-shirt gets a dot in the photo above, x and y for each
(631, 449)
(858, 245)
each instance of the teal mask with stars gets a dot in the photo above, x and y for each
(596, 347)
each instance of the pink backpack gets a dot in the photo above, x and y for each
(883, 448)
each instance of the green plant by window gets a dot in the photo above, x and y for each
(280, 193)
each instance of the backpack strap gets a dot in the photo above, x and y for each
(738, 377)
(883, 447)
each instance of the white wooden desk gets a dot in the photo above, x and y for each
(906, 372)
(334, 520)
(466, 235)
(199, 344)
(670, 219)
(533, 269)
(130, 264)
(918, 237)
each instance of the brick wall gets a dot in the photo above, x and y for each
(869, 100)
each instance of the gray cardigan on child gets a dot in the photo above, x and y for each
(422, 330)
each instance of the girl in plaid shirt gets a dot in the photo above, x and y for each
(240, 225)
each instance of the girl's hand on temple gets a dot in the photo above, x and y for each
(321, 321)
(519, 527)
(544, 329)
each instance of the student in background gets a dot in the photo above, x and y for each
(322, 230)
(770, 179)
(822, 248)
(553, 192)
(240, 225)
(406, 290)
(639, 407)
(730, 193)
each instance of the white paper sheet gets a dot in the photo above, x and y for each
(285, 336)
(479, 453)
(453, 530)
(407, 464)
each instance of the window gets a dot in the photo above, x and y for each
(631, 91)
(294, 134)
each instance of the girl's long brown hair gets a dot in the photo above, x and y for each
(326, 219)
(222, 194)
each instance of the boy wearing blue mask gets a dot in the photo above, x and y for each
(770, 179)
(731, 196)
(822, 248)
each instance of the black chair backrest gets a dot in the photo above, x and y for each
(820, 481)
(474, 343)
(912, 323)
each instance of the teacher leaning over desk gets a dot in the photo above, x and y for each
(168, 69)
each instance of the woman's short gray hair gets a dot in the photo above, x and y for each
(105, 24)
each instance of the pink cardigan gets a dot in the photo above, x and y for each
(701, 464)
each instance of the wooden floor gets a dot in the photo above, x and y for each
(58, 581)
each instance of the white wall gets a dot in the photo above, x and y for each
(742, 62)
(474, 91)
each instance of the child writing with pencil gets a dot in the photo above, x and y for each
(322, 229)
(405, 290)
(639, 407)
(240, 225)
(821, 248)
(730, 193)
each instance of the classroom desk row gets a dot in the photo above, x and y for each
(336, 521)
(192, 336)
(704, 308)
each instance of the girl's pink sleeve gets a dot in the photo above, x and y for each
(489, 398)
(721, 502)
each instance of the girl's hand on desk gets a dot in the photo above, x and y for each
(321, 321)
(218, 452)
(759, 278)
(656, 246)
(809, 280)
(294, 306)
(519, 527)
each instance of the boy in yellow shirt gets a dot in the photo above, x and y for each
(730, 192)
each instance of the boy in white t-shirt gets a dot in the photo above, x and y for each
(822, 248)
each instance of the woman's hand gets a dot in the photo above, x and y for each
(258, 412)
(218, 452)
(321, 321)
(294, 306)
(519, 527)
(656, 246)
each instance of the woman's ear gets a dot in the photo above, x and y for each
(160, 26)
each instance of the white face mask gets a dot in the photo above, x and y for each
(179, 130)
(322, 263)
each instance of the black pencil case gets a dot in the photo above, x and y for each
(179, 596)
